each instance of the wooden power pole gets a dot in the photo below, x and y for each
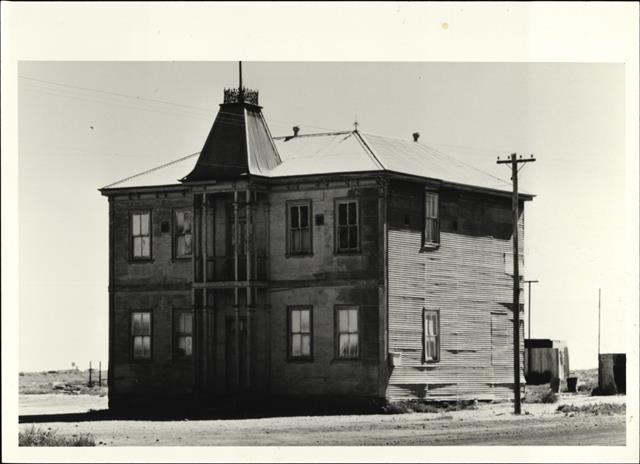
(514, 161)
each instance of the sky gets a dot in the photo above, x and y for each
(83, 125)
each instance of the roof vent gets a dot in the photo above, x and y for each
(296, 129)
(416, 136)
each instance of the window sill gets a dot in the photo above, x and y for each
(299, 255)
(140, 260)
(299, 360)
(430, 246)
(347, 253)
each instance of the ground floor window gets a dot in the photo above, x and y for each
(183, 334)
(141, 335)
(347, 332)
(431, 335)
(300, 333)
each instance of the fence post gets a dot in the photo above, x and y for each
(100, 373)
(90, 382)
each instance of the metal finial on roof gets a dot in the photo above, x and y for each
(355, 125)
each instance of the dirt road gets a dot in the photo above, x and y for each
(490, 425)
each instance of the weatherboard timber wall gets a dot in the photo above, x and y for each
(159, 285)
(322, 280)
(465, 279)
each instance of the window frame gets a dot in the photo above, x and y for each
(425, 311)
(175, 335)
(336, 226)
(427, 244)
(175, 235)
(132, 356)
(132, 257)
(288, 205)
(290, 357)
(337, 333)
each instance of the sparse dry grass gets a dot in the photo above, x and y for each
(596, 409)
(35, 436)
(540, 394)
(406, 407)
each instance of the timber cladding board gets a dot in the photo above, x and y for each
(464, 278)
(325, 374)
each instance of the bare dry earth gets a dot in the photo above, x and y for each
(492, 424)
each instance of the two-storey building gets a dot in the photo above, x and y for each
(342, 265)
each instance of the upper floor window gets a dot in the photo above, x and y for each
(299, 220)
(347, 332)
(431, 336)
(431, 220)
(183, 242)
(347, 230)
(141, 335)
(300, 332)
(141, 235)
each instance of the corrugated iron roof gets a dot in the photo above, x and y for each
(165, 174)
(333, 152)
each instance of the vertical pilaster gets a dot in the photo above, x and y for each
(236, 302)
(249, 290)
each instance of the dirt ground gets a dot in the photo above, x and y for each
(491, 424)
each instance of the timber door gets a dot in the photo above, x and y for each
(234, 359)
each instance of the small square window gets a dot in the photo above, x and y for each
(165, 227)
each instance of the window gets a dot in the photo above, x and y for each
(141, 335)
(183, 222)
(431, 336)
(347, 225)
(347, 332)
(299, 228)
(183, 333)
(431, 221)
(141, 235)
(300, 333)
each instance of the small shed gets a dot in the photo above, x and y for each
(545, 360)
(612, 373)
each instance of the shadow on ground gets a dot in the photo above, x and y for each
(227, 412)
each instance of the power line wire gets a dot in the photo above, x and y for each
(106, 92)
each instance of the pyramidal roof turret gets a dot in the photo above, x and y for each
(239, 143)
